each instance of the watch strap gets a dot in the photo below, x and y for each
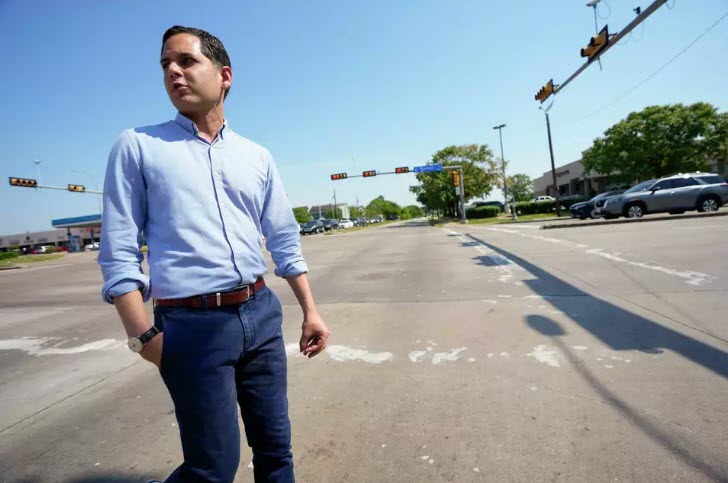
(148, 335)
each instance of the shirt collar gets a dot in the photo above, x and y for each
(191, 127)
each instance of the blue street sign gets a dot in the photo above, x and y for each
(428, 168)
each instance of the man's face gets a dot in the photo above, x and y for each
(193, 82)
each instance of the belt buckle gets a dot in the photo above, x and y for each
(246, 289)
(218, 299)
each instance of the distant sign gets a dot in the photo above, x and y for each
(428, 168)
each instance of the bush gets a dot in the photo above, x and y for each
(483, 212)
(50, 250)
(8, 255)
(529, 208)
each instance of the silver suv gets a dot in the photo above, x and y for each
(673, 194)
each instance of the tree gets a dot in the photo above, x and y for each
(717, 140)
(436, 191)
(301, 214)
(357, 212)
(658, 141)
(333, 216)
(379, 206)
(411, 211)
(520, 186)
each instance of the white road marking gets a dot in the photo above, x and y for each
(545, 355)
(341, 353)
(579, 347)
(415, 356)
(35, 346)
(690, 277)
(450, 356)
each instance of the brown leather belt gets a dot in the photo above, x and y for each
(219, 299)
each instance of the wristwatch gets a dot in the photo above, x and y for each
(136, 344)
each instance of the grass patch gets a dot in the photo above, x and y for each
(31, 259)
(493, 221)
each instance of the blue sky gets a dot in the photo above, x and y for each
(331, 86)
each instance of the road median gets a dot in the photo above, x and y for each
(648, 218)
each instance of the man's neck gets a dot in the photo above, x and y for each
(209, 123)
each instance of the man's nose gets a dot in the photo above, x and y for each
(173, 70)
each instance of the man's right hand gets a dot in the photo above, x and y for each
(153, 350)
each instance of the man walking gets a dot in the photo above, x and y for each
(204, 197)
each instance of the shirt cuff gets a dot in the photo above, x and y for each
(124, 287)
(292, 269)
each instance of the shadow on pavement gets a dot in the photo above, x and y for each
(410, 224)
(553, 329)
(618, 328)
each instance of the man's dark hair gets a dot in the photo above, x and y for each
(211, 46)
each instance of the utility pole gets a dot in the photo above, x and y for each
(553, 166)
(336, 214)
(505, 186)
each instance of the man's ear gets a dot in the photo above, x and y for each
(226, 73)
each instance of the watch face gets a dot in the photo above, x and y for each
(135, 344)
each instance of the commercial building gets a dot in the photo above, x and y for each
(73, 233)
(573, 180)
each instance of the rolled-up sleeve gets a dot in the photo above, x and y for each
(280, 227)
(124, 217)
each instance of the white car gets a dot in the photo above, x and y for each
(542, 198)
(91, 246)
(346, 223)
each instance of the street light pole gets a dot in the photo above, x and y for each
(503, 164)
(96, 184)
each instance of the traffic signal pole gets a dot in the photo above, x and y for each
(553, 167)
(613, 41)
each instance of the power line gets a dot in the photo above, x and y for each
(643, 81)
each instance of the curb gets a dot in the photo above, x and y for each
(633, 220)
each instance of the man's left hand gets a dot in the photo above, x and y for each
(315, 335)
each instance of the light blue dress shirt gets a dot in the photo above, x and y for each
(203, 207)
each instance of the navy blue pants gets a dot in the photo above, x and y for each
(214, 360)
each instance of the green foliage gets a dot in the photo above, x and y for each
(483, 212)
(355, 212)
(528, 208)
(659, 141)
(480, 174)
(301, 214)
(50, 249)
(8, 255)
(333, 216)
(411, 211)
(521, 186)
(379, 206)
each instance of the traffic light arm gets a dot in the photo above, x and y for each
(613, 40)
(64, 188)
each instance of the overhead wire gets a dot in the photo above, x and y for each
(653, 74)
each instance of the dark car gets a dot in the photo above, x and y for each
(330, 225)
(589, 209)
(312, 227)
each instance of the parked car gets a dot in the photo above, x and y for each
(346, 223)
(91, 246)
(673, 194)
(588, 209)
(330, 225)
(568, 200)
(542, 198)
(312, 227)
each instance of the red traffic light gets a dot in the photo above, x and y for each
(401, 170)
(369, 173)
(336, 176)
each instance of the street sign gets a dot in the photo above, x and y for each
(428, 168)
(457, 191)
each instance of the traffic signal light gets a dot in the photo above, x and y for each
(546, 91)
(76, 187)
(596, 44)
(401, 170)
(456, 178)
(29, 183)
(336, 176)
(369, 173)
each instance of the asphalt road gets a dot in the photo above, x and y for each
(463, 353)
